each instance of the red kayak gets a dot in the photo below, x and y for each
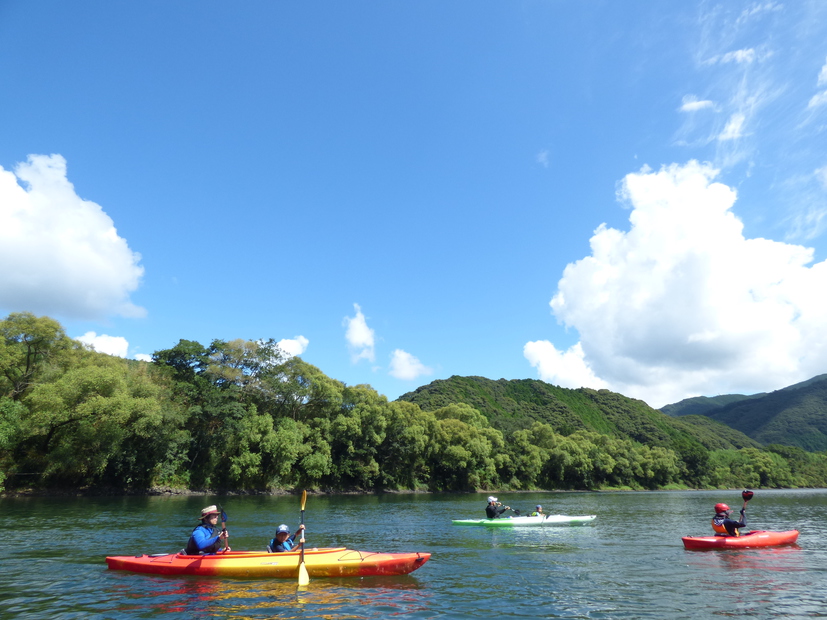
(756, 538)
(328, 562)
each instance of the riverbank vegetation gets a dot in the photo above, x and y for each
(240, 415)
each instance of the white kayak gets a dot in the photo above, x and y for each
(521, 521)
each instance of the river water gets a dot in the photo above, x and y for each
(629, 564)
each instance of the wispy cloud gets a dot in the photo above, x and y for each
(733, 128)
(406, 366)
(739, 56)
(360, 338)
(756, 10)
(822, 76)
(691, 103)
(542, 158)
(821, 176)
(818, 100)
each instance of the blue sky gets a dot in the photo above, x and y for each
(623, 195)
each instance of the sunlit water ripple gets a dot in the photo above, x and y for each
(629, 564)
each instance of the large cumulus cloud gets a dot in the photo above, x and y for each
(59, 254)
(683, 304)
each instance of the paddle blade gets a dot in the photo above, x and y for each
(747, 495)
(304, 498)
(304, 578)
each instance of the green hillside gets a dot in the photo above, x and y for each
(511, 405)
(790, 417)
(703, 405)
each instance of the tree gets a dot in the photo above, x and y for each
(467, 451)
(27, 343)
(97, 422)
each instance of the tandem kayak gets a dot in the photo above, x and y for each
(521, 521)
(756, 538)
(326, 562)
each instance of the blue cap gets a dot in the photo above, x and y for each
(283, 528)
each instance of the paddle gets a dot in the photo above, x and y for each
(746, 495)
(304, 578)
(224, 520)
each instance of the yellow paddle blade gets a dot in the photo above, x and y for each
(304, 498)
(304, 578)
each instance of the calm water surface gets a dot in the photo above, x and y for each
(629, 564)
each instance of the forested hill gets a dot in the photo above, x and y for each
(516, 404)
(793, 416)
(704, 405)
(241, 415)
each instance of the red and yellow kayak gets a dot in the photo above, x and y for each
(756, 538)
(326, 562)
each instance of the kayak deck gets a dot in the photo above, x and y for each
(326, 562)
(756, 538)
(524, 521)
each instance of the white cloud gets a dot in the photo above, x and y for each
(567, 368)
(60, 254)
(683, 304)
(692, 104)
(406, 366)
(818, 100)
(740, 56)
(757, 9)
(734, 127)
(360, 338)
(822, 77)
(294, 346)
(143, 357)
(542, 158)
(111, 345)
(821, 176)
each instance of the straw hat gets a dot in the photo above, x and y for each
(210, 510)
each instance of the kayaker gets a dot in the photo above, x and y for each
(283, 541)
(538, 511)
(207, 536)
(494, 508)
(722, 524)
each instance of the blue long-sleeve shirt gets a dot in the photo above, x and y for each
(203, 540)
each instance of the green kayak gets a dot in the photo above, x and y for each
(521, 521)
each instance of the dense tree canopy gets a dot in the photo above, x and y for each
(243, 415)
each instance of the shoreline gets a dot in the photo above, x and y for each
(170, 491)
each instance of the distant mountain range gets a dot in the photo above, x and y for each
(792, 416)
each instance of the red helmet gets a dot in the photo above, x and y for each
(721, 508)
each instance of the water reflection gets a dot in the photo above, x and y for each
(782, 559)
(203, 597)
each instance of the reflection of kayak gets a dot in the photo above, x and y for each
(520, 521)
(756, 538)
(334, 562)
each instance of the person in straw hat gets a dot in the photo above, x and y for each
(207, 536)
